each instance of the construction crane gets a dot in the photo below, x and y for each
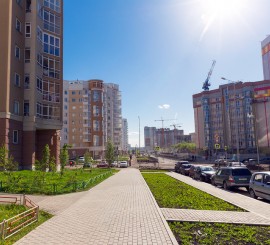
(162, 131)
(206, 84)
(176, 126)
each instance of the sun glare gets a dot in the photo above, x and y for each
(221, 11)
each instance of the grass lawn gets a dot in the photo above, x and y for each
(172, 193)
(9, 210)
(216, 233)
(43, 216)
(35, 182)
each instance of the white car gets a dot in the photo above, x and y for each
(123, 164)
(114, 164)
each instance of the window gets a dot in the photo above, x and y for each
(27, 30)
(258, 177)
(16, 108)
(19, 2)
(51, 91)
(66, 92)
(26, 81)
(18, 25)
(73, 92)
(17, 52)
(39, 84)
(15, 136)
(27, 53)
(39, 34)
(73, 100)
(51, 44)
(51, 67)
(51, 22)
(26, 108)
(28, 6)
(52, 4)
(17, 80)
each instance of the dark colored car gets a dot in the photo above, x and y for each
(178, 165)
(87, 165)
(103, 165)
(192, 170)
(265, 160)
(230, 177)
(184, 169)
(204, 173)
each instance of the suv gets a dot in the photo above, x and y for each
(230, 177)
(259, 185)
(178, 165)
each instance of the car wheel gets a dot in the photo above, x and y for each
(213, 182)
(225, 186)
(252, 194)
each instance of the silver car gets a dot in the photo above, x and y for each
(259, 185)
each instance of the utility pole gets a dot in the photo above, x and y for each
(139, 134)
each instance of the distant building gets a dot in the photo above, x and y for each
(91, 116)
(233, 116)
(31, 63)
(125, 146)
(266, 57)
(163, 138)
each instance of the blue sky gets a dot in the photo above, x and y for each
(160, 51)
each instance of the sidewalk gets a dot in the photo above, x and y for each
(120, 210)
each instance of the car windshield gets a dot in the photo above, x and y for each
(240, 171)
(186, 166)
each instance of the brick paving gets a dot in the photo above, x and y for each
(257, 209)
(120, 210)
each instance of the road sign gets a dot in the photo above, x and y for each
(217, 146)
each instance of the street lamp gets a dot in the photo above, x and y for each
(139, 134)
(237, 128)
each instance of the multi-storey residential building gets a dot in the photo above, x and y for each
(31, 63)
(163, 138)
(233, 117)
(266, 57)
(91, 116)
(125, 146)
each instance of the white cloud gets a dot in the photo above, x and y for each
(165, 106)
(133, 133)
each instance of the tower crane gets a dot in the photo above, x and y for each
(206, 84)
(162, 130)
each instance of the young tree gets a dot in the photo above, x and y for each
(45, 158)
(87, 157)
(52, 165)
(7, 162)
(63, 158)
(109, 153)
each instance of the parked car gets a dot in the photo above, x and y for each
(259, 185)
(230, 177)
(265, 160)
(204, 173)
(192, 170)
(102, 164)
(184, 168)
(235, 164)
(87, 165)
(178, 165)
(123, 164)
(114, 164)
(81, 159)
(220, 163)
(250, 161)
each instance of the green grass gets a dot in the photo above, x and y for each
(9, 210)
(172, 193)
(216, 233)
(43, 216)
(35, 182)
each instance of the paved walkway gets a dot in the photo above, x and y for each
(120, 210)
(259, 210)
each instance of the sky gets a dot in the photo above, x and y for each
(160, 52)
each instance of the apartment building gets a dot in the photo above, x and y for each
(163, 137)
(233, 117)
(31, 74)
(91, 117)
(265, 44)
(125, 146)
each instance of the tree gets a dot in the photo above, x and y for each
(7, 162)
(87, 157)
(44, 163)
(63, 158)
(109, 153)
(52, 165)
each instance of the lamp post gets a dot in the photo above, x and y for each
(237, 126)
(139, 134)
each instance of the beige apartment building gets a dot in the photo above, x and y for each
(31, 75)
(91, 116)
(234, 117)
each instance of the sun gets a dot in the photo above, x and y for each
(225, 11)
